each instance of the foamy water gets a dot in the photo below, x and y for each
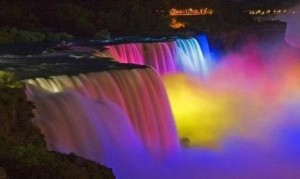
(241, 121)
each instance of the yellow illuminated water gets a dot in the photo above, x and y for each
(238, 99)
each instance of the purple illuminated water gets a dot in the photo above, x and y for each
(246, 113)
(128, 90)
(242, 121)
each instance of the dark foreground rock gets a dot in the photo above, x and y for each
(23, 152)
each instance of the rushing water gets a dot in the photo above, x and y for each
(240, 121)
(186, 55)
(139, 94)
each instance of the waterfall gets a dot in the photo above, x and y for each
(127, 53)
(191, 58)
(161, 56)
(203, 41)
(98, 113)
(184, 55)
(244, 116)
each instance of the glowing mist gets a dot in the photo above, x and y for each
(241, 121)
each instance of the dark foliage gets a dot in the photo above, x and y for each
(119, 17)
(14, 35)
(83, 18)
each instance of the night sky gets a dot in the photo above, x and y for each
(241, 3)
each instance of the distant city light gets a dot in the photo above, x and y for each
(191, 12)
(175, 24)
(258, 12)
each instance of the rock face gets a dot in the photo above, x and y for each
(23, 152)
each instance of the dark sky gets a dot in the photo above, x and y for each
(247, 3)
(266, 3)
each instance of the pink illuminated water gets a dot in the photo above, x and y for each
(138, 93)
(127, 53)
(166, 57)
(241, 121)
(161, 56)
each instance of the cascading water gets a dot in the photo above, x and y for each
(127, 53)
(203, 42)
(241, 122)
(161, 56)
(68, 107)
(191, 59)
(245, 121)
(184, 55)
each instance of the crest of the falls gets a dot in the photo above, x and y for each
(127, 53)
(185, 55)
(114, 110)
(161, 56)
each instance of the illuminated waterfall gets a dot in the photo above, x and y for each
(203, 41)
(127, 53)
(191, 58)
(184, 55)
(161, 56)
(77, 112)
(241, 122)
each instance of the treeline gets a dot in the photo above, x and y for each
(117, 17)
(13, 35)
(85, 18)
